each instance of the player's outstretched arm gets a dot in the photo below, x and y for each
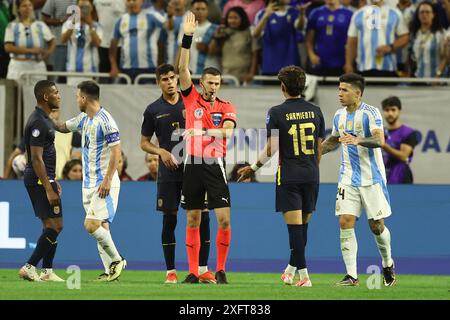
(189, 26)
(331, 144)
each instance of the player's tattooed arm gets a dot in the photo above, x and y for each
(374, 141)
(60, 126)
(331, 144)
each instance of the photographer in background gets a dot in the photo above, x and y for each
(233, 41)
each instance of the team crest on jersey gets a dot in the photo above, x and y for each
(160, 202)
(184, 113)
(349, 125)
(198, 113)
(216, 118)
(267, 119)
(35, 133)
(56, 210)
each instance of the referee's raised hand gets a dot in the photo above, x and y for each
(190, 24)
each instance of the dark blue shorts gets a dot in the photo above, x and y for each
(41, 206)
(168, 195)
(297, 196)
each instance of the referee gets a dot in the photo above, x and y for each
(39, 179)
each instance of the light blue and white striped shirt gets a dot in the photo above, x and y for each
(172, 39)
(98, 135)
(360, 166)
(376, 26)
(427, 50)
(35, 36)
(82, 55)
(139, 35)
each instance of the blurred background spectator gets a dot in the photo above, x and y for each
(326, 38)
(408, 9)
(277, 27)
(139, 33)
(108, 11)
(199, 55)
(5, 17)
(122, 169)
(83, 39)
(8, 171)
(152, 162)
(72, 170)
(29, 43)
(428, 42)
(376, 32)
(172, 27)
(54, 14)
(233, 42)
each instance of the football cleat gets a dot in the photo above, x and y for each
(221, 277)
(50, 276)
(348, 281)
(287, 278)
(389, 276)
(102, 277)
(207, 277)
(115, 269)
(191, 278)
(28, 272)
(304, 283)
(171, 277)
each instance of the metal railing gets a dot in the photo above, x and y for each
(26, 77)
(225, 77)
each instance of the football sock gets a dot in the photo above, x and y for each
(303, 273)
(106, 260)
(223, 245)
(193, 248)
(46, 242)
(384, 247)
(291, 246)
(202, 269)
(305, 233)
(205, 241)
(290, 269)
(168, 239)
(296, 233)
(349, 249)
(105, 240)
(47, 259)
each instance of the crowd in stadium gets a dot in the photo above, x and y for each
(243, 38)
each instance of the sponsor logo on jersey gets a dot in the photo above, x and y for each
(216, 118)
(198, 113)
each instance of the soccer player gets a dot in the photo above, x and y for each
(300, 130)
(209, 121)
(358, 127)
(101, 184)
(165, 117)
(39, 180)
(400, 143)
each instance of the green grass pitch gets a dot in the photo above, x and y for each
(251, 286)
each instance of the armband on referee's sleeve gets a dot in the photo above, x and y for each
(187, 41)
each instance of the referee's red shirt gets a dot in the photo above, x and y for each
(200, 114)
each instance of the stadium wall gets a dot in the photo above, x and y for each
(419, 227)
(425, 108)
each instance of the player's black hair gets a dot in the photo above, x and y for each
(211, 70)
(163, 69)
(41, 88)
(355, 80)
(90, 89)
(294, 79)
(391, 101)
(196, 1)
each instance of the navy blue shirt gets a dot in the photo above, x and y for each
(299, 124)
(39, 132)
(330, 29)
(166, 120)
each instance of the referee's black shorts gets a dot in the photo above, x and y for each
(297, 196)
(201, 177)
(41, 206)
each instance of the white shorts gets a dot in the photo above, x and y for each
(100, 209)
(16, 68)
(374, 199)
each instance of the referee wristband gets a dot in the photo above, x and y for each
(254, 167)
(187, 41)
